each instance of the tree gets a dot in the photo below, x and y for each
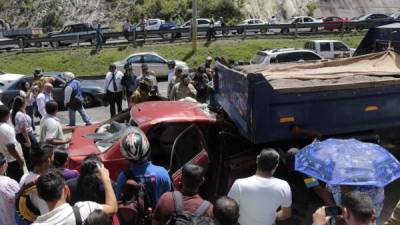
(311, 7)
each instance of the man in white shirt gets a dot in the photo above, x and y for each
(50, 127)
(171, 70)
(45, 96)
(113, 88)
(51, 188)
(7, 146)
(42, 159)
(260, 195)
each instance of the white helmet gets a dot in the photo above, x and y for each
(68, 76)
(135, 146)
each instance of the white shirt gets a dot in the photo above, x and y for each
(259, 198)
(171, 74)
(34, 197)
(41, 101)
(22, 122)
(8, 189)
(50, 128)
(64, 214)
(108, 83)
(7, 137)
(67, 94)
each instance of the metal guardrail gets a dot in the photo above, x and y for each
(185, 33)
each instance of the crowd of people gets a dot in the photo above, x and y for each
(135, 88)
(37, 187)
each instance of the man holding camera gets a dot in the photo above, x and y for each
(357, 209)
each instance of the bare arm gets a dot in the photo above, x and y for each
(24, 132)
(110, 206)
(11, 149)
(56, 141)
(283, 214)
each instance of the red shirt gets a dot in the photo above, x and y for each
(166, 207)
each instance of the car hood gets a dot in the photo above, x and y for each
(181, 63)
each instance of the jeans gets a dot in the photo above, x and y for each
(72, 118)
(29, 111)
(25, 150)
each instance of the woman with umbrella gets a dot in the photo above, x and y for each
(350, 165)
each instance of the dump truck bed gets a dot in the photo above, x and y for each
(331, 97)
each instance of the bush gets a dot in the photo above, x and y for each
(311, 7)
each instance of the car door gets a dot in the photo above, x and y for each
(203, 23)
(340, 50)
(189, 147)
(136, 61)
(156, 64)
(58, 91)
(325, 50)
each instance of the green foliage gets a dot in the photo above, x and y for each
(167, 9)
(163, 9)
(82, 62)
(311, 7)
(52, 20)
(3, 4)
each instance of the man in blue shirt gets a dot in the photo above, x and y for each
(136, 148)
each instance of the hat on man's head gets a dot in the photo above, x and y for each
(209, 58)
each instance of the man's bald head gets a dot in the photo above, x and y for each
(226, 210)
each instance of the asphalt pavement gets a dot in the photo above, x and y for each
(99, 114)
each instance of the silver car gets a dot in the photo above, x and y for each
(156, 63)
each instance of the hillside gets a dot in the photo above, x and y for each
(53, 14)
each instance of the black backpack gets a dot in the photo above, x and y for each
(181, 217)
(135, 206)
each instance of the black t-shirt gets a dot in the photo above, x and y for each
(76, 195)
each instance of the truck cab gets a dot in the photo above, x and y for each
(329, 49)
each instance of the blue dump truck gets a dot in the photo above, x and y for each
(276, 103)
(379, 39)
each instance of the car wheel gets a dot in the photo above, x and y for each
(314, 29)
(88, 100)
(285, 31)
(240, 31)
(38, 44)
(55, 44)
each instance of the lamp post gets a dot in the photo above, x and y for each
(194, 25)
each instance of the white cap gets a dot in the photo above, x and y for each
(67, 76)
(209, 58)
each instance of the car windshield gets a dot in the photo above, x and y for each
(259, 58)
(112, 130)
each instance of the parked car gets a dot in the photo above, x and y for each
(201, 22)
(375, 19)
(9, 84)
(301, 20)
(157, 24)
(395, 16)
(80, 29)
(252, 22)
(6, 46)
(334, 19)
(156, 63)
(284, 55)
(329, 49)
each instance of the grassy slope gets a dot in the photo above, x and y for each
(82, 62)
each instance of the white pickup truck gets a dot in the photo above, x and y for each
(329, 49)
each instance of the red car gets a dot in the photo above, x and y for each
(178, 132)
(334, 20)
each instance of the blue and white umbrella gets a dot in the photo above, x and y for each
(348, 162)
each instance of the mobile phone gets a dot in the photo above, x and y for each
(333, 211)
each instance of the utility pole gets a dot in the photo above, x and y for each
(194, 25)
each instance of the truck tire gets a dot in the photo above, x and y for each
(38, 44)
